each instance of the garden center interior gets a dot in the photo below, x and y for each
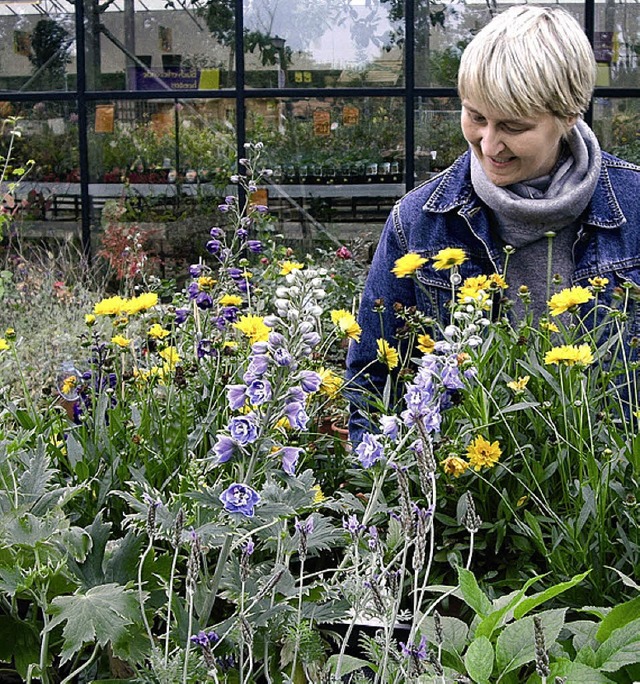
(147, 102)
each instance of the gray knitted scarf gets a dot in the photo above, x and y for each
(525, 211)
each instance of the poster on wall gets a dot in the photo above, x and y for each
(105, 115)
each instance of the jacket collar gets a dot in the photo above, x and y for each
(454, 189)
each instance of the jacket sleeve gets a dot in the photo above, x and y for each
(365, 376)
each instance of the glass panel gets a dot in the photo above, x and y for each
(616, 122)
(37, 46)
(323, 43)
(337, 165)
(617, 43)
(163, 165)
(149, 46)
(444, 29)
(438, 137)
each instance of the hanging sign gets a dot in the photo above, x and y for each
(321, 122)
(350, 115)
(105, 115)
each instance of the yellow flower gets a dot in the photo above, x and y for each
(68, 384)
(475, 288)
(569, 355)
(288, 266)
(158, 332)
(598, 283)
(408, 265)
(4, 345)
(454, 465)
(519, 385)
(448, 258)
(206, 283)
(387, 354)
(120, 341)
(10, 333)
(498, 281)
(331, 382)
(547, 325)
(111, 306)
(522, 501)
(89, 319)
(568, 299)
(171, 356)
(140, 303)
(347, 324)
(253, 327)
(482, 454)
(426, 343)
(318, 496)
(230, 300)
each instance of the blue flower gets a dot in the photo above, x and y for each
(181, 315)
(417, 652)
(213, 246)
(216, 232)
(242, 232)
(195, 270)
(369, 450)
(243, 429)
(205, 639)
(257, 367)
(236, 396)
(310, 381)
(305, 527)
(290, 456)
(224, 448)
(390, 426)
(282, 357)
(296, 415)
(296, 394)
(254, 246)
(240, 498)
(204, 300)
(205, 348)
(259, 391)
(352, 525)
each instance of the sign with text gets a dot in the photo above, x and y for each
(321, 122)
(350, 115)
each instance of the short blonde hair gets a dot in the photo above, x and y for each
(530, 60)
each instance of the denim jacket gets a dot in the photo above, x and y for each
(446, 212)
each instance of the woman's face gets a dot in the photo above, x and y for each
(512, 150)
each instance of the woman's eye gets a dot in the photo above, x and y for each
(514, 128)
(478, 119)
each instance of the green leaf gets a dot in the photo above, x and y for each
(536, 532)
(618, 617)
(18, 640)
(479, 659)
(90, 571)
(577, 673)
(537, 599)
(454, 632)
(472, 595)
(516, 646)
(348, 665)
(621, 648)
(98, 616)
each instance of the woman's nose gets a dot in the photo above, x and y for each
(491, 143)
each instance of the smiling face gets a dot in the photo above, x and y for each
(512, 150)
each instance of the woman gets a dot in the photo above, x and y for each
(533, 166)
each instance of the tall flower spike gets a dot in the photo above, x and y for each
(471, 519)
(542, 657)
(406, 510)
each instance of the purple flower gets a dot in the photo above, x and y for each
(205, 639)
(181, 315)
(352, 525)
(213, 246)
(295, 394)
(374, 538)
(305, 527)
(248, 548)
(216, 232)
(205, 348)
(254, 246)
(390, 426)
(296, 415)
(417, 652)
(195, 270)
(451, 374)
(235, 272)
(310, 381)
(243, 429)
(193, 290)
(242, 233)
(311, 339)
(230, 313)
(259, 391)
(224, 448)
(290, 457)
(369, 450)
(282, 357)
(236, 396)
(261, 208)
(257, 367)
(240, 498)
(204, 301)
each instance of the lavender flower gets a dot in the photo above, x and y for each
(181, 316)
(369, 451)
(195, 270)
(213, 246)
(257, 367)
(236, 396)
(240, 498)
(216, 232)
(255, 246)
(224, 448)
(243, 429)
(390, 426)
(259, 391)
(290, 456)
(296, 415)
(352, 525)
(204, 301)
(282, 357)
(310, 381)
(205, 639)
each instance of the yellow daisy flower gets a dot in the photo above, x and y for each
(206, 283)
(498, 281)
(121, 341)
(346, 323)
(569, 355)
(568, 299)
(454, 465)
(318, 496)
(111, 306)
(10, 333)
(331, 382)
(287, 266)
(68, 384)
(547, 325)
(89, 319)
(518, 385)
(598, 283)
(475, 288)
(253, 327)
(387, 354)
(408, 265)
(171, 356)
(426, 344)
(140, 303)
(230, 300)
(448, 258)
(4, 345)
(158, 332)
(482, 454)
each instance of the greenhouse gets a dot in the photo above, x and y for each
(261, 420)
